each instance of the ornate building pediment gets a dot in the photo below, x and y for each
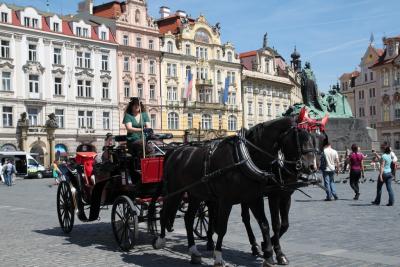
(6, 65)
(58, 71)
(33, 68)
(127, 77)
(105, 77)
(152, 80)
(84, 74)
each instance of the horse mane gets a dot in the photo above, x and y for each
(276, 126)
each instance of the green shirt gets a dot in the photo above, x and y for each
(132, 137)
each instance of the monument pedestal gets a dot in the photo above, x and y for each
(344, 132)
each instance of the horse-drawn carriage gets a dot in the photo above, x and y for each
(132, 186)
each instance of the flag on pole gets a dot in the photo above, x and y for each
(226, 90)
(188, 85)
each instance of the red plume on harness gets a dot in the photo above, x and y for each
(305, 122)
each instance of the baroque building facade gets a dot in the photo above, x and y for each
(61, 65)
(138, 58)
(269, 85)
(193, 48)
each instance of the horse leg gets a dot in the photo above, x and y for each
(284, 209)
(190, 215)
(211, 225)
(224, 211)
(167, 216)
(276, 203)
(257, 208)
(255, 249)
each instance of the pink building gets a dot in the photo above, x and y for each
(138, 57)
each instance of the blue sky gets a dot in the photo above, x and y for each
(332, 35)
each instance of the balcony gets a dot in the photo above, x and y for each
(388, 124)
(203, 82)
(206, 105)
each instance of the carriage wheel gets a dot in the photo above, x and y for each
(124, 222)
(201, 222)
(65, 207)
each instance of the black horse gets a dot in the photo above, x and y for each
(232, 171)
(280, 200)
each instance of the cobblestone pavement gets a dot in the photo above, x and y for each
(337, 233)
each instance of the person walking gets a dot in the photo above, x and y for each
(385, 177)
(1, 171)
(375, 160)
(56, 172)
(8, 172)
(393, 165)
(356, 169)
(330, 165)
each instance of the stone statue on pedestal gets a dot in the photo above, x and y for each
(51, 122)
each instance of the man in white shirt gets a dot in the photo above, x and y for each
(393, 165)
(332, 166)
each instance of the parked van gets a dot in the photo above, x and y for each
(25, 164)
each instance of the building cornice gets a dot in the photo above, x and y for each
(265, 77)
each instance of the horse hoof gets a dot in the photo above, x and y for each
(282, 260)
(195, 259)
(210, 246)
(158, 243)
(255, 250)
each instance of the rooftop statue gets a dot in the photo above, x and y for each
(333, 103)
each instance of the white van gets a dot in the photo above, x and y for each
(25, 164)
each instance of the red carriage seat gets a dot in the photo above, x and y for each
(87, 160)
(152, 170)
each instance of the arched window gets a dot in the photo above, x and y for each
(229, 56)
(173, 121)
(232, 123)
(137, 16)
(190, 121)
(170, 47)
(206, 122)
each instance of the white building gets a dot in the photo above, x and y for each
(62, 65)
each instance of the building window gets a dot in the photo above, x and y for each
(397, 112)
(105, 90)
(371, 76)
(33, 84)
(57, 56)
(218, 76)
(206, 122)
(89, 119)
(277, 110)
(187, 50)
(138, 42)
(250, 107)
(232, 98)
(104, 62)
(87, 60)
(79, 59)
(56, 26)
(190, 121)
(126, 64)
(365, 77)
(152, 91)
(173, 121)
(4, 17)
(152, 67)
(232, 123)
(229, 55)
(59, 117)
(172, 93)
(140, 90)
(33, 116)
(5, 49)
(32, 53)
(80, 88)
(7, 117)
(103, 36)
(88, 89)
(27, 22)
(171, 70)
(385, 78)
(81, 119)
(260, 109)
(106, 120)
(151, 44)
(85, 32)
(205, 95)
(57, 86)
(153, 121)
(125, 40)
(6, 80)
(35, 23)
(269, 110)
(78, 31)
(127, 89)
(139, 65)
(170, 47)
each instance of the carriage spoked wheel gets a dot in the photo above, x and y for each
(124, 222)
(201, 221)
(65, 207)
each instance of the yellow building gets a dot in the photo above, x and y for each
(193, 46)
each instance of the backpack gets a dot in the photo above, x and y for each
(323, 163)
